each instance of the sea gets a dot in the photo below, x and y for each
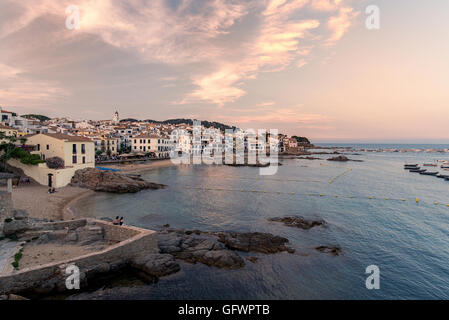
(377, 212)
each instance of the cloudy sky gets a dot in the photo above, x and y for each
(305, 67)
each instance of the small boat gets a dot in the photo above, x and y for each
(430, 165)
(418, 170)
(443, 176)
(445, 166)
(428, 173)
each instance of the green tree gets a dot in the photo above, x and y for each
(9, 149)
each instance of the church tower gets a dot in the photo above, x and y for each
(116, 118)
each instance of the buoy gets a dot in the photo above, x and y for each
(403, 199)
(370, 197)
(435, 203)
(351, 197)
(417, 200)
(278, 193)
(321, 194)
(265, 191)
(336, 196)
(386, 198)
(292, 193)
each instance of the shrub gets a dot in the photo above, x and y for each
(55, 163)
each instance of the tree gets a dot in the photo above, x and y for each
(98, 153)
(9, 149)
(55, 163)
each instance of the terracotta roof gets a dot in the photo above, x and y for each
(151, 136)
(6, 127)
(61, 136)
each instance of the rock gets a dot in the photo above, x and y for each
(20, 214)
(339, 158)
(221, 259)
(252, 259)
(15, 226)
(15, 297)
(107, 219)
(71, 237)
(254, 242)
(107, 181)
(299, 222)
(334, 250)
(157, 265)
(342, 158)
(58, 235)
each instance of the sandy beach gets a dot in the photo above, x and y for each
(139, 167)
(35, 198)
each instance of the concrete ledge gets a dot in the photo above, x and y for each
(133, 242)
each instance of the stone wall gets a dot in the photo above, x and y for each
(5, 208)
(136, 241)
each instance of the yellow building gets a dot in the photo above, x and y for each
(76, 151)
(151, 143)
(8, 131)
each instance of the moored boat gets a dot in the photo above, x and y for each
(429, 173)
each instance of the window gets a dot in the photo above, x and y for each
(74, 159)
(83, 148)
(38, 147)
(135, 147)
(140, 140)
(74, 149)
(48, 147)
(135, 140)
(84, 159)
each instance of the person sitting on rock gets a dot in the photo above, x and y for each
(122, 221)
(116, 221)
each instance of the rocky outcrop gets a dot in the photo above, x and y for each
(333, 250)
(254, 242)
(299, 222)
(342, 158)
(17, 224)
(108, 181)
(218, 249)
(156, 265)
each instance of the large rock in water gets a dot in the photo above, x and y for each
(156, 265)
(254, 242)
(299, 222)
(339, 158)
(108, 181)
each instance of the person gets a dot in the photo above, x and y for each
(116, 221)
(122, 222)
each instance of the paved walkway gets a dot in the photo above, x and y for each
(7, 250)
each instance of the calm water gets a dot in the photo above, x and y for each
(408, 241)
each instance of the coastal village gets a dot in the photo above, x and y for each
(87, 143)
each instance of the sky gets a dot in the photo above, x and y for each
(305, 67)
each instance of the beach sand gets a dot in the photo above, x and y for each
(139, 167)
(36, 200)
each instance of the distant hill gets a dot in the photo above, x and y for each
(302, 140)
(206, 124)
(129, 120)
(36, 116)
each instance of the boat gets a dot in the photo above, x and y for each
(429, 173)
(430, 165)
(443, 176)
(445, 166)
(418, 170)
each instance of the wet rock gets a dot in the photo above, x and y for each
(254, 242)
(252, 259)
(298, 222)
(222, 259)
(342, 158)
(108, 181)
(157, 265)
(333, 250)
